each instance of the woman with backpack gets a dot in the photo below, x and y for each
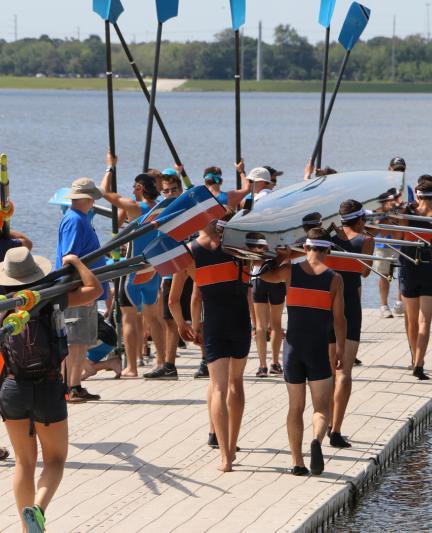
(32, 395)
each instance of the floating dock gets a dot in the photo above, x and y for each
(138, 459)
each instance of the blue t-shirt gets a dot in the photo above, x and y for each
(222, 197)
(77, 236)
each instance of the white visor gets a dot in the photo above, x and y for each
(352, 216)
(318, 243)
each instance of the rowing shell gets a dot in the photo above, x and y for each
(276, 219)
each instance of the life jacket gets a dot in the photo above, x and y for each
(39, 349)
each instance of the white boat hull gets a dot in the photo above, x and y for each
(277, 218)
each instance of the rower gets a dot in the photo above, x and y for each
(314, 296)
(213, 181)
(388, 203)
(226, 332)
(349, 237)
(309, 221)
(416, 283)
(137, 298)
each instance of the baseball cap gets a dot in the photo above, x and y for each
(85, 188)
(398, 163)
(273, 171)
(169, 172)
(259, 174)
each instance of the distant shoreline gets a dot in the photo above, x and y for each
(168, 85)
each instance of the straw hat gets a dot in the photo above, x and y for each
(21, 267)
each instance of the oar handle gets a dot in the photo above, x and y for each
(330, 108)
(237, 78)
(6, 206)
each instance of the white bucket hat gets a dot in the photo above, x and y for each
(21, 267)
(259, 174)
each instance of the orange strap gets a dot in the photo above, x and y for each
(413, 237)
(2, 362)
(344, 264)
(211, 274)
(313, 298)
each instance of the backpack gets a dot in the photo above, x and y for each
(40, 349)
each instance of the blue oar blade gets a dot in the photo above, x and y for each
(167, 255)
(238, 13)
(166, 9)
(354, 25)
(108, 9)
(326, 12)
(59, 198)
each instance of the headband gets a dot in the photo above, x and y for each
(422, 194)
(211, 176)
(256, 241)
(318, 243)
(312, 222)
(351, 216)
(221, 223)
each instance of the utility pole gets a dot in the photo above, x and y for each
(79, 33)
(16, 27)
(393, 60)
(428, 21)
(259, 53)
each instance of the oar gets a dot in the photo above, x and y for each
(110, 10)
(28, 298)
(325, 17)
(238, 15)
(354, 25)
(123, 238)
(166, 9)
(15, 322)
(4, 195)
(186, 180)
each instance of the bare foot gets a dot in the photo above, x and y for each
(115, 366)
(88, 370)
(225, 467)
(126, 373)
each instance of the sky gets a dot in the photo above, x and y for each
(201, 19)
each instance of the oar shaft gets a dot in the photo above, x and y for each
(103, 274)
(330, 106)
(323, 91)
(156, 114)
(4, 193)
(152, 98)
(111, 128)
(238, 104)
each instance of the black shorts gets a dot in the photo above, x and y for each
(305, 361)
(220, 346)
(185, 300)
(42, 402)
(353, 315)
(264, 292)
(415, 281)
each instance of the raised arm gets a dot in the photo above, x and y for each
(236, 196)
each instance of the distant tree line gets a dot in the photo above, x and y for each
(291, 56)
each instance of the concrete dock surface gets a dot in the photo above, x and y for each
(138, 459)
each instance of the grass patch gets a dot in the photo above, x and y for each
(292, 86)
(71, 84)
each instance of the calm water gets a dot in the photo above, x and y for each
(53, 137)
(398, 501)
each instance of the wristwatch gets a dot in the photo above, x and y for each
(109, 169)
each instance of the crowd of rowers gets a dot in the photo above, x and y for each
(220, 303)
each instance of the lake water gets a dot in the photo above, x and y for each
(399, 500)
(53, 137)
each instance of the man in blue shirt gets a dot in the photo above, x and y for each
(77, 236)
